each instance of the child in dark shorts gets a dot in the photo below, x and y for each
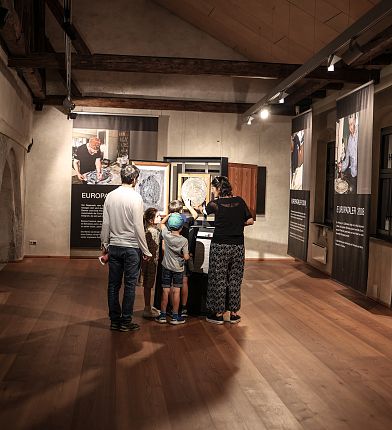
(175, 254)
(176, 206)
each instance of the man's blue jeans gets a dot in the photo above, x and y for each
(122, 261)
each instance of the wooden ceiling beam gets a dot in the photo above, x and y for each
(77, 40)
(75, 91)
(186, 66)
(162, 104)
(14, 37)
(375, 47)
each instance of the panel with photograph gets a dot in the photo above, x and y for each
(346, 155)
(153, 184)
(297, 160)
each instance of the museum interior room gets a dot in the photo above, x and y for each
(291, 101)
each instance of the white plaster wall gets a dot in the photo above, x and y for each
(180, 134)
(16, 111)
(48, 189)
(192, 134)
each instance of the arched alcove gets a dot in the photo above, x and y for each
(16, 253)
(7, 243)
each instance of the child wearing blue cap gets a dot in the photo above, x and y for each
(175, 254)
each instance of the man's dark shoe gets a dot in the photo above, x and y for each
(129, 326)
(115, 325)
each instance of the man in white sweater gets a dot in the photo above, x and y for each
(123, 236)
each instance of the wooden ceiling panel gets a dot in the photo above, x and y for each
(323, 35)
(271, 30)
(325, 11)
(260, 24)
(307, 6)
(302, 34)
(342, 5)
(339, 22)
(281, 19)
(293, 50)
(359, 8)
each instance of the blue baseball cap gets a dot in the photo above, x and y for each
(175, 221)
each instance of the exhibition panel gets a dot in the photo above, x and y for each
(301, 146)
(353, 166)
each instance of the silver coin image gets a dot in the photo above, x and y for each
(150, 190)
(91, 177)
(195, 190)
(341, 186)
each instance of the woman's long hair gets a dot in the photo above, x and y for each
(222, 184)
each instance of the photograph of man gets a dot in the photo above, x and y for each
(297, 160)
(348, 162)
(88, 157)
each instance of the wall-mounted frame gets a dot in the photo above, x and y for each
(154, 184)
(194, 187)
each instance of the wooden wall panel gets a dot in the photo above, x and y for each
(243, 178)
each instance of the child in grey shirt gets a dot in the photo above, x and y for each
(175, 253)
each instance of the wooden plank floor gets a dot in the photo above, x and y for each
(309, 354)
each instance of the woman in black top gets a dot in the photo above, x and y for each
(227, 252)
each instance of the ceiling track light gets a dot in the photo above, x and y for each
(250, 119)
(332, 60)
(282, 96)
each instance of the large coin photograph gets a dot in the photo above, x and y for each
(195, 190)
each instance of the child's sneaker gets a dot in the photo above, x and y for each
(184, 312)
(177, 319)
(161, 319)
(151, 312)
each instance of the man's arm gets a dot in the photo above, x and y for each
(139, 228)
(105, 229)
(344, 163)
(353, 151)
(76, 166)
(98, 167)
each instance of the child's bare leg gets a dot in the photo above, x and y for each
(164, 298)
(175, 299)
(184, 291)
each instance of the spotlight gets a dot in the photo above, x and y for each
(3, 16)
(250, 119)
(264, 113)
(332, 60)
(72, 115)
(283, 95)
(68, 104)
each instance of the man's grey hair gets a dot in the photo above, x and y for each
(129, 174)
